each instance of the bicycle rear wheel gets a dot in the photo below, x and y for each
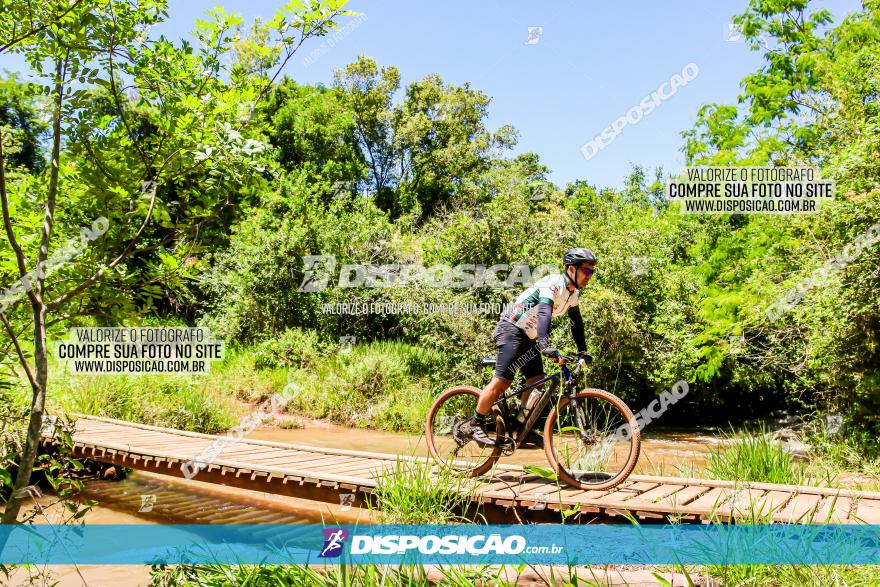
(592, 442)
(455, 406)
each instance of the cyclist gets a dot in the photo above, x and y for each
(521, 336)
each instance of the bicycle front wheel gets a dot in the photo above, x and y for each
(592, 441)
(455, 406)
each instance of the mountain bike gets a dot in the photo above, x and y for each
(591, 437)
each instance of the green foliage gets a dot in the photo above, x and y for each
(385, 385)
(294, 348)
(417, 152)
(754, 457)
(252, 287)
(20, 112)
(374, 172)
(180, 402)
(330, 576)
(814, 101)
(418, 492)
(13, 422)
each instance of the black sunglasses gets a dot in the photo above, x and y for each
(587, 270)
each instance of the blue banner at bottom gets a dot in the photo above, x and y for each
(451, 544)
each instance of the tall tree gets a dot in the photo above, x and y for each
(144, 113)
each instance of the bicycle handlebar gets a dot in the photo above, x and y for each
(566, 359)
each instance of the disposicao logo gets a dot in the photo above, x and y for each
(334, 542)
(473, 545)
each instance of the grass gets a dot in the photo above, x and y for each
(419, 492)
(754, 457)
(176, 401)
(778, 575)
(843, 460)
(330, 576)
(382, 385)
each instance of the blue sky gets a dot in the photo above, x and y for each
(593, 62)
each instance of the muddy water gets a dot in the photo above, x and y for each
(669, 452)
(145, 498)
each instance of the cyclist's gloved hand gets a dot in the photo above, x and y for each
(550, 352)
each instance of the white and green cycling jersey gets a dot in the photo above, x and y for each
(523, 312)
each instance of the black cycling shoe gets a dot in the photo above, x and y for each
(533, 440)
(470, 430)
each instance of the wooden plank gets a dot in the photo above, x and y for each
(331, 451)
(773, 502)
(251, 454)
(680, 498)
(570, 492)
(765, 486)
(85, 427)
(325, 460)
(579, 495)
(655, 495)
(538, 486)
(591, 495)
(833, 510)
(158, 445)
(507, 482)
(291, 462)
(154, 448)
(288, 461)
(744, 502)
(116, 435)
(621, 495)
(268, 459)
(223, 466)
(709, 499)
(800, 508)
(361, 469)
(866, 511)
(307, 459)
(375, 473)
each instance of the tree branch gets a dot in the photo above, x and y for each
(21, 357)
(39, 29)
(7, 221)
(52, 196)
(55, 304)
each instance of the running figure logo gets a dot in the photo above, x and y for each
(333, 542)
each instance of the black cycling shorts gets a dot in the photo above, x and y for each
(515, 351)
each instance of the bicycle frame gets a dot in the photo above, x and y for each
(535, 412)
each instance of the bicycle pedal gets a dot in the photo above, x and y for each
(508, 446)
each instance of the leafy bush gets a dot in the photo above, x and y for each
(294, 348)
(384, 385)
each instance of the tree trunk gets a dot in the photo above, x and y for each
(38, 404)
(41, 359)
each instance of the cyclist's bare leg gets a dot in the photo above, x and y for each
(491, 393)
(525, 395)
(496, 387)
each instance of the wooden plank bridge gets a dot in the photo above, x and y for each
(507, 495)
